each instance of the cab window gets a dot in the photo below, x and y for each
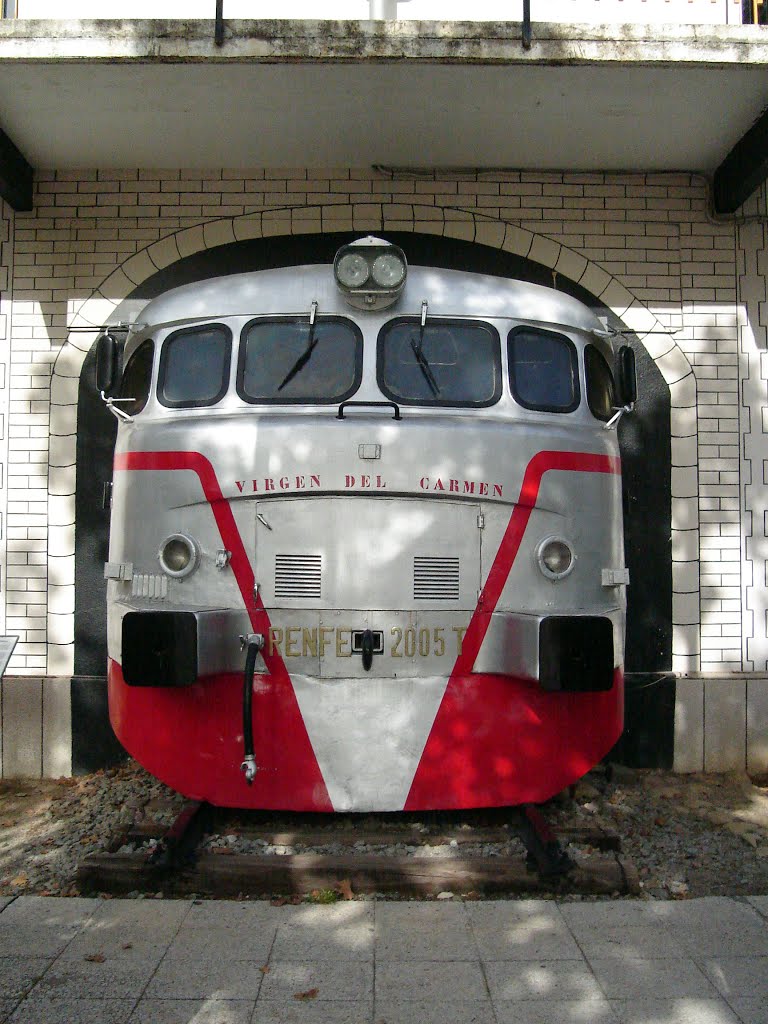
(543, 370)
(443, 363)
(137, 377)
(601, 393)
(289, 360)
(194, 366)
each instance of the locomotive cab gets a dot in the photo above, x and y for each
(366, 537)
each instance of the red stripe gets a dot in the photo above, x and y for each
(462, 732)
(575, 462)
(243, 572)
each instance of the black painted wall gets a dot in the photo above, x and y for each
(645, 445)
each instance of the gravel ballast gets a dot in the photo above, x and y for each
(688, 835)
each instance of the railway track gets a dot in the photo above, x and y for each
(219, 853)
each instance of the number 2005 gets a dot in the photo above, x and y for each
(407, 643)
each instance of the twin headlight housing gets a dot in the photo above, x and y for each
(370, 272)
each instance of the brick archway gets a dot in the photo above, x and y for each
(103, 307)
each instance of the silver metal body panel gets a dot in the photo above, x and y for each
(372, 501)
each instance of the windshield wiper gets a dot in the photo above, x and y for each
(306, 355)
(421, 359)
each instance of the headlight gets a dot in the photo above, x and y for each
(555, 557)
(388, 270)
(178, 555)
(352, 270)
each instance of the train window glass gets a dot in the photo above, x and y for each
(543, 370)
(290, 360)
(600, 388)
(194, 366)
(137, 377)
(452, 363)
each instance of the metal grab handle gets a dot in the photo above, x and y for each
(387, 405)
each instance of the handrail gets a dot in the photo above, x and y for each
(388, 405)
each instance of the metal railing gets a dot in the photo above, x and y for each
(382, 10)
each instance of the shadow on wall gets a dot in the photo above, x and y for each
(644, 439)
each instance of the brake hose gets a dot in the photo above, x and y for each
(254, 643)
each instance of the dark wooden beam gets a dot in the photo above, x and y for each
(15, 175)
(743, 170)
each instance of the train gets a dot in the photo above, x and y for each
(366, 546)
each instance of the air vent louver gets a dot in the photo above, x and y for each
(435, 579)
(298, 576)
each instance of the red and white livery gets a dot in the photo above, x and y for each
(366, 542)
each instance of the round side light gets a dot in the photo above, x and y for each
(388, 270)
(178, 555)
(555, 557)
(352, 270)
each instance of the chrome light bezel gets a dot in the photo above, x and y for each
(541, 551)
(193, 553)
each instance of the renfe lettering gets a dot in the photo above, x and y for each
(331, 642)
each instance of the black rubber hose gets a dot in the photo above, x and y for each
(250, 670)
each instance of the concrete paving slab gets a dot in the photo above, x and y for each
(87, 979)
(548, 980)
(229, 943)
(423, 931)
(128, 929)
(715, 925)
(528, 930)
(673, 1011)
(609, 914)
(637, 941)
(631, 978)
(42, 926)
(751, 1011)
(556, 1011)
(214, 978)
(231, 913)
(193, 1011)
(7, 1006)
(739, 976)
(19, 974)
(313, 1012)
(337, 982)
(340, 932)
(4, 901)
(760, 903)
(429, 1012)
(444, 981)
(45, 1010)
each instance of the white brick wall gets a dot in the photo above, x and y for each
(694, 290)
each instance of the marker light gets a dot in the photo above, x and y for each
(555, 557)
(370, 272)
(178, 555)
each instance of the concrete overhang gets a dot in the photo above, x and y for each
(160, 94)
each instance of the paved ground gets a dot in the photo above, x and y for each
(92, 961)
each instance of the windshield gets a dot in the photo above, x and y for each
(292, 360)
(454, 363)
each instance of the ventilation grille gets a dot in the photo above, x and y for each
(151, 585)
(298, 576)
(435, 579)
